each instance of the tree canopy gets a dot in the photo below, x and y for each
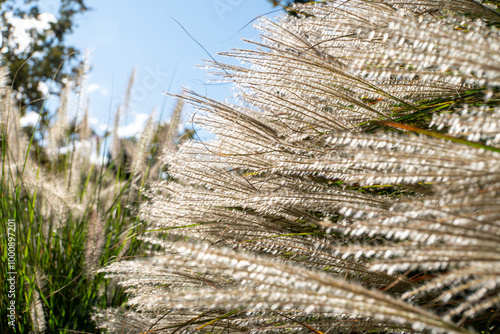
(34, 48)
(286, 3)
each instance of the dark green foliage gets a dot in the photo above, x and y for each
(47, 57)
(287, 3)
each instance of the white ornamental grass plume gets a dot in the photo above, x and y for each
(173, 126)
(95, 240)
(37, 314)
(165, 137)
(355, 186)
(57, 132)
(15, 140)
(121, 112)
(139, 158)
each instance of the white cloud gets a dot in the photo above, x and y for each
(20, 35)
(29, 119)
(96, 88)
(88, 148)
(79, 145)
(134, 128)
(102, 128)
(92, 88)
(93, 121)
(43, 88)
(98, 159)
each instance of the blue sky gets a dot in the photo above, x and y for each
(123, 35)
